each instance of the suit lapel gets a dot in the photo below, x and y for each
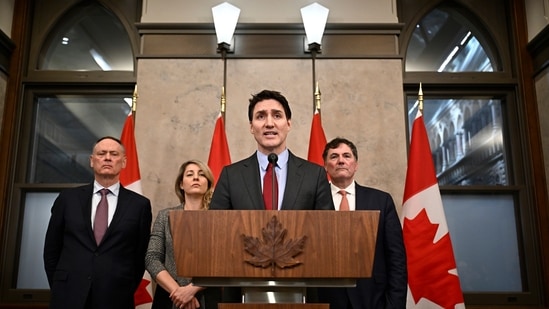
(85, 197)
(362, 196)
(121, 208)
(293, 182)
(252, 181)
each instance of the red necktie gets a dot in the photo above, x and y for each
(344, 206)
(101, 216)
(268, 189)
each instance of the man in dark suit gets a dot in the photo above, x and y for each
(387, 287)
(301, 185)
(88, 271)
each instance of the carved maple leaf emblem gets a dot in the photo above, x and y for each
(429, 264)
(273, 249)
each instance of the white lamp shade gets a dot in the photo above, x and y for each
(314, 19)
(225, 18)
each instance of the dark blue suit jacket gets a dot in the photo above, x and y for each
(387, 287)
(239, 186)
(78, 269)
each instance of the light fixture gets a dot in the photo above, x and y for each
(225, 17)
(314, 19)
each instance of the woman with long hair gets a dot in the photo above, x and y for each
(194, 188)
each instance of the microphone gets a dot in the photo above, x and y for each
(273, 158)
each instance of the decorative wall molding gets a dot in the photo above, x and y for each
(360, 41)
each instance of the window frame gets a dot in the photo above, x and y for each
(508, 86)
(21, 187)
(48, 16)
(35, 24)
(518, 188)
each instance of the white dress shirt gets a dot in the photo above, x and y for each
(351, 196)
(112, 199)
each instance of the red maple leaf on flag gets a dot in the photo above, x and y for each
(142, 295)
(429, 263)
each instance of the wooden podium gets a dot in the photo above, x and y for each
(274, 255)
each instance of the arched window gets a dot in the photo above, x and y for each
(88, 38)
(447, 41)
(470, 113)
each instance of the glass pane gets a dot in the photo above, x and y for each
(484, 236)
(444, 41)
(88, 38)
(65, 129)
(466, 139)
(31, 273)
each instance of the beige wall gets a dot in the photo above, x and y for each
(281, 11)
(6, 16)
(179, 101)
(179, 98)
(537, 16)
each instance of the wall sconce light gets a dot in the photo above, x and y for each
(225, 17)
(314, 19)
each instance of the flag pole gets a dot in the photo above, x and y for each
(317, 98)
(223, 102)
(134, 103)
(224, 58)
(420, 99)
(315, 82)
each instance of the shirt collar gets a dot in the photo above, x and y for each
(264, 161)
(115, 188)
(350, 189)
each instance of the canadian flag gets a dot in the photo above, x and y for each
(317, 140)
(219, 149)
(131, 179)
(433, 281)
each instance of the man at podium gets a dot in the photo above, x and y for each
(250, 184)
(388, 285)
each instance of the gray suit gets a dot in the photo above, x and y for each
(239, 186)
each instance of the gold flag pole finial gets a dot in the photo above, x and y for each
(420, 98)
(134, 100)
(317, 98)
(134, 104)
(223, 100)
